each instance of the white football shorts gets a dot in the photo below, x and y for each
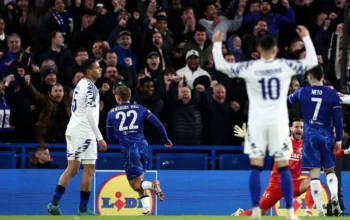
(81, 149)
(274, 137)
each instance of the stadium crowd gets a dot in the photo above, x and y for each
(161, 50)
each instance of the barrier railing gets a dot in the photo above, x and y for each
(24, 150)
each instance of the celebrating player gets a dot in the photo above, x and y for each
(267, 83)
(319, 106)
(81, 134)
(125, 122)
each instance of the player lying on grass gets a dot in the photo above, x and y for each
(273, 192)
(125, 123)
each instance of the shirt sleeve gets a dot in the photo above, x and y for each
(232, 70)
(155, 121)
(295, 97)
(110, 129)
(299, 67)
(338, 118)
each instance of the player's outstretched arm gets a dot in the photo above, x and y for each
(345, 99)
(311, 56)
(110, 130)
(154, 120)
(310, 61)
(220, 63)
(338, 121)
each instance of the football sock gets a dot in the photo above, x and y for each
(332, 182)
(316, 192)
(58, 195)
(146, 205)
(146, 185)
(255, 185)
(84, 199)
(287, 186)
(309, 201)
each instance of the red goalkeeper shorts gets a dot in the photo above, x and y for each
(273, 194)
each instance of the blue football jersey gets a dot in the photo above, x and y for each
(317, 104)
(126, 120)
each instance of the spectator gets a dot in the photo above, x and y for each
(54, 117)
(41, 158)
(192, 70)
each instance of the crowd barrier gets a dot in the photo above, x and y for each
(16, 155)
(210, 192)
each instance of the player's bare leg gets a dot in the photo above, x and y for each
(316, 190)
(332, 182)
(140, 186)
(86, 183)
(71, 170)
(255, 186)
(286, 186)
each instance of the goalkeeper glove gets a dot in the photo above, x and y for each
(240, 132)
(347, 151)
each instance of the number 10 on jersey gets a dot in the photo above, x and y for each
(270, 88)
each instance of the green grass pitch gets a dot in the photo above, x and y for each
(146, 218)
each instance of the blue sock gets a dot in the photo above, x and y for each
(255, 185)
(84, 199)
(287, 186)
(58, 195)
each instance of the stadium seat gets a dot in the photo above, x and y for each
(239, 162)
(173, 161)
(8, 160)
(59, 158)
(110, 161)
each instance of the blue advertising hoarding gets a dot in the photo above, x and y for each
(186, 193)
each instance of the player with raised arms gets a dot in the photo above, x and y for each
(273, 192)
(320, 105)
(81, 135)
(267, 83)
(125, 123)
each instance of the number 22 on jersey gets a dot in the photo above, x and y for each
(123, 116)
(270, 88)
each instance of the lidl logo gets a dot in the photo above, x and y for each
(299, 203)
(116, 197)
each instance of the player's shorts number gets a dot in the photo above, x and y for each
(123, 116)
(272, 86)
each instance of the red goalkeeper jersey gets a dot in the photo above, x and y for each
(294, 163)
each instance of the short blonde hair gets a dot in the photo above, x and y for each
(123, 92)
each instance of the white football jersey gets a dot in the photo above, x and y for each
(85, 96)
(267, 82)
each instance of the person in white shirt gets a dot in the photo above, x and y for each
(267, 83)
(192, 70)
(81, 135)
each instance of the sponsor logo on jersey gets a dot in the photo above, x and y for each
(299, 202)
(116, 197)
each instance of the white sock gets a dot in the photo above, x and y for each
(290, 212)
(146, 204)
(146, 185)
(316, 193)
(332, 182)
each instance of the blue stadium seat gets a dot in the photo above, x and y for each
(110, 161)
(8, 160)
(239, 162)
(59, 158)
(190, 161)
